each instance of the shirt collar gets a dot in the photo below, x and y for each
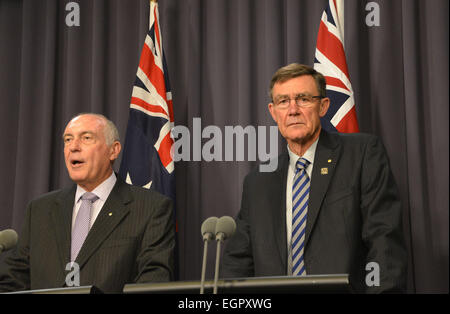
(309, 154)
(102, 191)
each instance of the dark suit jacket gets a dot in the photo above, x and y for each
(132, 240)
(354, 217)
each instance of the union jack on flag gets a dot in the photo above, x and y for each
(146, 159)
(330, 61)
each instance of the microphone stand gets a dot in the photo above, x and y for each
(205, 250)
(208, 233)
(216, 275)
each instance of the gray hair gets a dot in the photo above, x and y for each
(294, 70)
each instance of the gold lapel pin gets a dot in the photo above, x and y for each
(324, 171)
(110, 214)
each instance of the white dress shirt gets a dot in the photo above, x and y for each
(102, 191)
(293, 158)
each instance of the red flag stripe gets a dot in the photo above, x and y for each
(330, 46)
(170, 106)
(349, 123)
(157, 29)
(153, 108)
(164, 150)
(335, 82)
(153, 72)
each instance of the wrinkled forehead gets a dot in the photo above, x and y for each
(304, 84)
(85, 123)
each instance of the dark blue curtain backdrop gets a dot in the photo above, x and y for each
(221, 56)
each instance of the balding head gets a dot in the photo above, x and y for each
(110, 129)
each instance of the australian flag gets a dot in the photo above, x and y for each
(147, 159)
(330, 61)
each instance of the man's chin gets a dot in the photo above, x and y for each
(77, 177)
(296, 136)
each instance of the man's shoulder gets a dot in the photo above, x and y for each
(270, 168)
(50, 200)
(52, 195)
(350, 142)
(357, 147)
(353, 138)
(139, 192)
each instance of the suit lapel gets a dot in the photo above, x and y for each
(111, 214)
(278, 190)
(61, 215)
(325, 159)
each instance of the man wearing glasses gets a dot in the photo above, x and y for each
(331, 207)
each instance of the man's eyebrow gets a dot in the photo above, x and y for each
(81, 134)
(295, 95)
(280, 96)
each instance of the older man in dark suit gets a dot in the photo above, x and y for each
(331, 207)
(112, 232)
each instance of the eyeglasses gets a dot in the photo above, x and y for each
(301, 100)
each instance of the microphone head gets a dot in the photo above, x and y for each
(225, 227)
(209, 228)
(8, 239)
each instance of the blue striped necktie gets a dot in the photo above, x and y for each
(300, 196)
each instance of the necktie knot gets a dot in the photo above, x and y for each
(88, 196)
(302, 163)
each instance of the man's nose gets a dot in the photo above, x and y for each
(75, 145)
(293, 108)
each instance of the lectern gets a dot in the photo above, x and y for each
(74, 290)
(258, 285)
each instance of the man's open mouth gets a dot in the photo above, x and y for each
(76, 162)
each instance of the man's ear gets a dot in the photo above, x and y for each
(324, 105)
(271, 110)
(115, 150)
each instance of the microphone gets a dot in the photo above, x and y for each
(208, 232)
(8, 239)
(225, 228)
